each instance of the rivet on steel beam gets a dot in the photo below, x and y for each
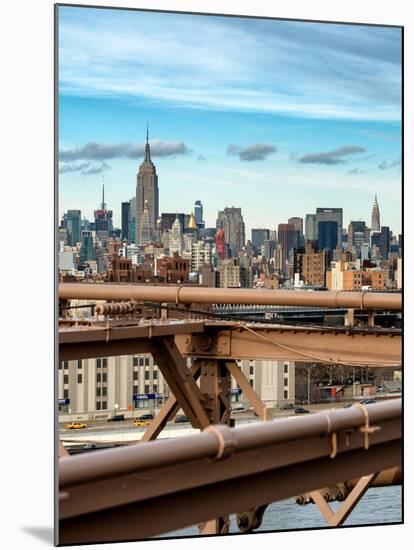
(186, 340)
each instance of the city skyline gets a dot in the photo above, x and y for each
(328, 146)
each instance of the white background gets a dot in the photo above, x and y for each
(26, 221)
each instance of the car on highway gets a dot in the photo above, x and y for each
(301, 410)
(141, 423)
(181, 418)
(367, 401)
(146, 417)
(287, 406)
(76, 426)
(116, 418)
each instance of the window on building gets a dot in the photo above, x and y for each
(135, 390)
(104, 404)
(147, 375)
(98, 405)
(98, 392)
(65, 365)
(104, 390)
(66, 378)
(65, 394)
(155, 375)
(79, 379)
(285, 394)
(251, 369)
(251, 383)
(98, 377)
(104, 377)
(286, 382)
(286, 368)
(141, 361)
(135, 375)
(135, 362)
(147, 361)
(147, 388)
(98, 363)
(79, 363)
(105, 363)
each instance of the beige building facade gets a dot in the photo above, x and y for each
(96, 389)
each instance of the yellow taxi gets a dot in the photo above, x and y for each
(75, 426)
(141, 423)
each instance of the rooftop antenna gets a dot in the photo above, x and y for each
(103, 191)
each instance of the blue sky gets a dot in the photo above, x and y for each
(276, 117)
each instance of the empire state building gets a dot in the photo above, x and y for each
(146, 195)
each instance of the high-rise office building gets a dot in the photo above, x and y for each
(198, 213)
(375, 217)
(103, 218)
(330, 215)
(231, 221)
(167, 220)
(327, 236)
(145, 230)
(176, 239)
(298, 223)
(287, 238)
(132, 219)
(311, 233)
(354, 228)
(384, 242)
(147, 190)
(259, 236)
(125, 217)
(73, 227)
(87, 250)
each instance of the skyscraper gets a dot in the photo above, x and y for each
(287, 238)
(125, 217)
(73, 226)
(147, 190)
(132, 219)
(327, 236)
(330, 215)
(231, 220)
(176, 240)
(355, 227)
(310, 227)
(103, 218)
(259, 236)
(384, 242)
(198, 212)
(298, 223)
(144, 230)
(375, 217)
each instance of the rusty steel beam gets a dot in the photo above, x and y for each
(260, 341)
(227, 340)
(144, 490)
(168, 411)
(112, 338)
(193, 294)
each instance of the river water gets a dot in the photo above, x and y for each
(379, 505)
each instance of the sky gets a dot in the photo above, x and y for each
(276, 117)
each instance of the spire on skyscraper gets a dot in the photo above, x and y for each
(375, 217)
(147, 149)
(103, 205)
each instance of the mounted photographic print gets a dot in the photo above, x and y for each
(229, 252)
